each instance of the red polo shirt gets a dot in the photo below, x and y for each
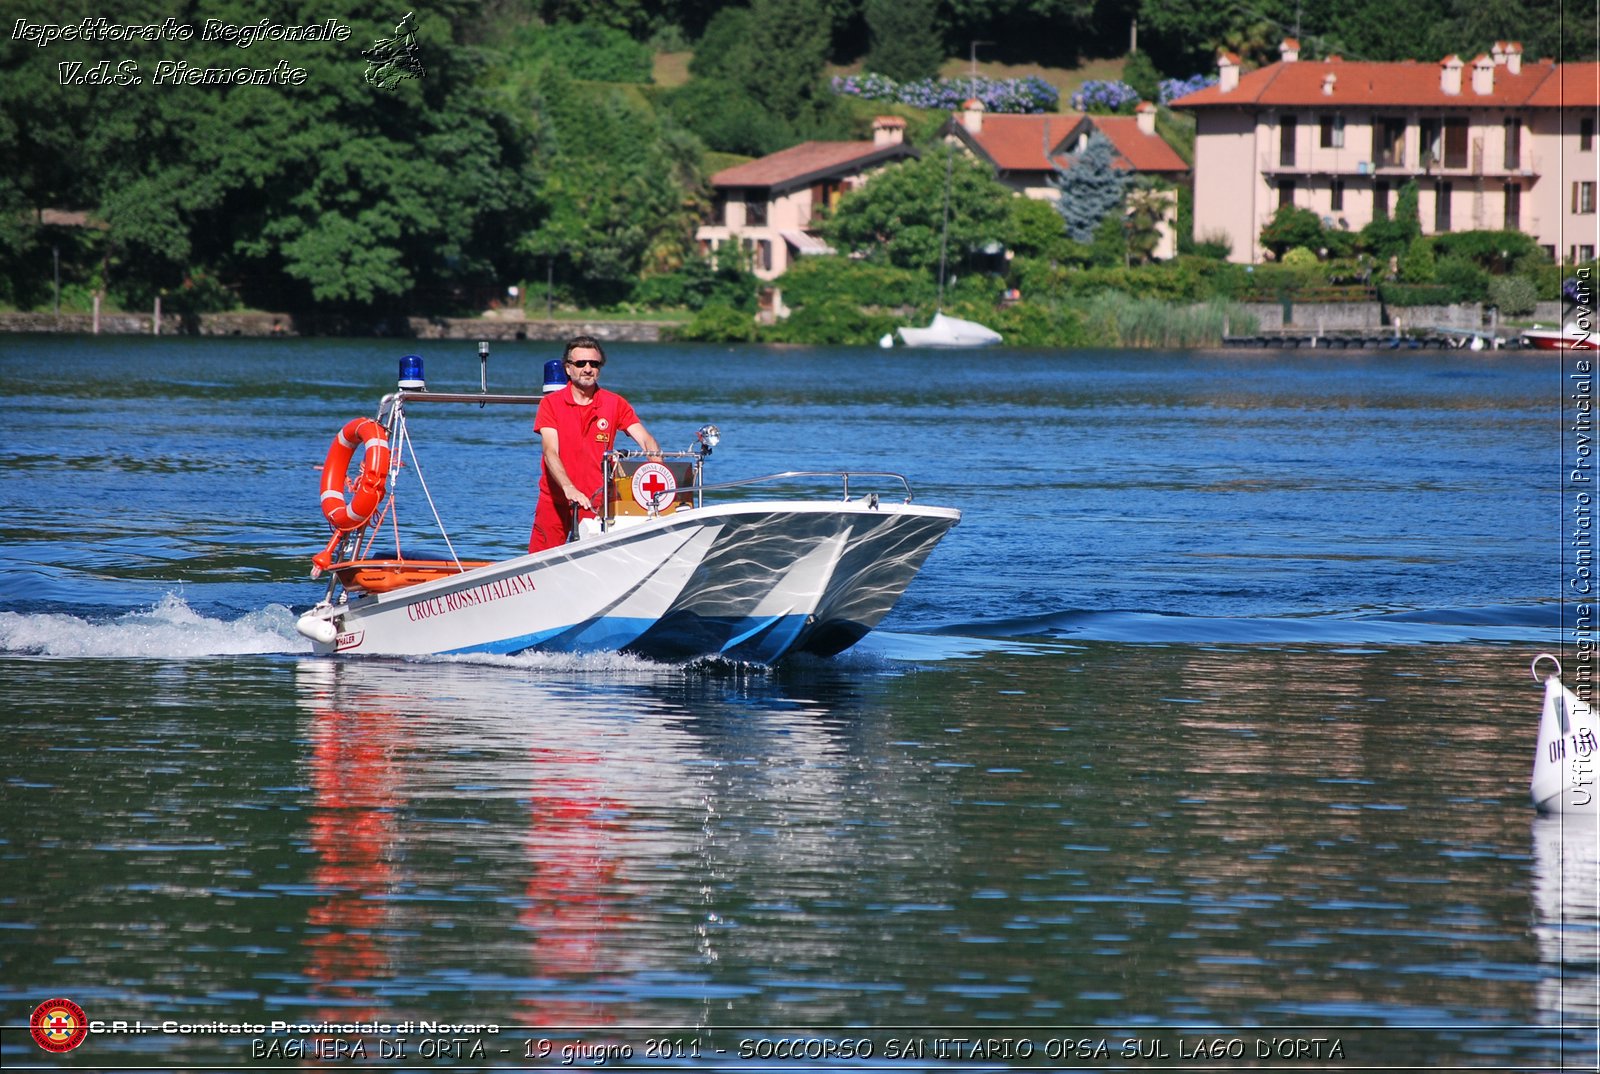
(585, 432)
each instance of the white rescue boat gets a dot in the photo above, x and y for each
(661, 572)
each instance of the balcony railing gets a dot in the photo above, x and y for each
(1481, 165)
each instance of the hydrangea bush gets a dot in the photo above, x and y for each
(1031, 94)
(1097, 95)
(1173, 88)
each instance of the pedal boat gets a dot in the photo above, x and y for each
(661, 572)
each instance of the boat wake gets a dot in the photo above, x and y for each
(1526, 622)
(171, 630)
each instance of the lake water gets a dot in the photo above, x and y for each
(1203, 740)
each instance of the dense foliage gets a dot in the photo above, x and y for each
(903, 44)
(589, 51)
(758, 84)
(900, 217)
(1184, 35)
(323, 192)
(529, 146)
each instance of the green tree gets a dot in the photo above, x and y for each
(1392, 235)
(1108, 245)
(1140, 73)
(905, 40)
(1034, 229)
(724, 49)
(1091, 186)
(617, 200)
(789, 49)
(899, 215)
(1292, 226)
(588, 51)
(1038, 29)
(324, 192)
(1184, 35)
(758, 81)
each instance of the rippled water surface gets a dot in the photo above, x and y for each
(1211, 721)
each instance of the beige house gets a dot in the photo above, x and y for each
(1492, 143)
(771, 206)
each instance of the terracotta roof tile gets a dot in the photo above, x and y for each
(1022, 143)
(1574, 85)
(1143, 152)
(806, 160)
(1028, 143)
(1408, 84)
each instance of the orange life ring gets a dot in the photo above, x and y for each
(370, 486)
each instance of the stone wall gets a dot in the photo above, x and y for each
(1318, 316)
(506, 329)
(112, 324)
(1368, 316)
(1456, 315)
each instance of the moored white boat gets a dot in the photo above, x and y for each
(945, 331)
(1569, 337)
(661, 572)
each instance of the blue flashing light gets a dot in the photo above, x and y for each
(411, 372)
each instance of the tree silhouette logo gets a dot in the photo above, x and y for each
(392, 60)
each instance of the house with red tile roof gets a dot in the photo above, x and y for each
(1027, 151)
(1495, 142)
(771, 205)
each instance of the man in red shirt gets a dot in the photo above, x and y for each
(577, 424)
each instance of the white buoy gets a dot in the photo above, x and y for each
(1564, 766)
(886, 340)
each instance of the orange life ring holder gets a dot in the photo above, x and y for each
(368, 492)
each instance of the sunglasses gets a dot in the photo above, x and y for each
(585, 363)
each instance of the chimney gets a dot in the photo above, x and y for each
(888, 130)
(1289, 50)
(1498, 53)
(1227, 72)
(972, 115)
(1513, 58)
(1450, 74)
(1328, 81)
(1145, 116)
(1482, 75)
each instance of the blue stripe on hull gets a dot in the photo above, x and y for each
(682, 637)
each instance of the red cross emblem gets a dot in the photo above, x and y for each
(58, 1025)
(653, 486)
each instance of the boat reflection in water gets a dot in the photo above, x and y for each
(456, 805)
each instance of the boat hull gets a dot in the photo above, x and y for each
(754, 581)
(1544, 339)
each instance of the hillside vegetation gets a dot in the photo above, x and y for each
(563, 144)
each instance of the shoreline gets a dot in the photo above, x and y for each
(283, 325)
